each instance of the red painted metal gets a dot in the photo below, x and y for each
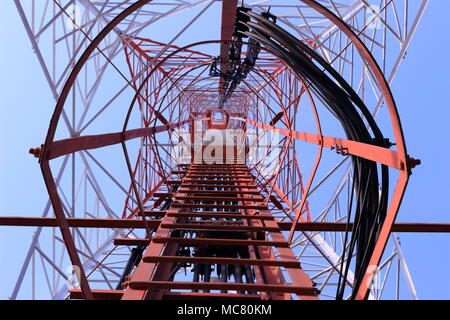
(400, 161)
(71, 145)
(226, 32)
(151, 280)
(45, 166)
(158, 285)
(250, 197)
(345, 147)
(410, 227)
(97, 294)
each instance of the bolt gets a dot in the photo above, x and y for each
(413, 162)
(35, 151)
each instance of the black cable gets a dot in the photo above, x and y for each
(344, 103)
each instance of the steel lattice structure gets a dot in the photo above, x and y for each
(132, 84)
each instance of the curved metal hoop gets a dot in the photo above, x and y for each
(401, 156)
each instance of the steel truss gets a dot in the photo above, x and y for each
(166, 77)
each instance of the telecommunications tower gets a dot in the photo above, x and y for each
(205, 149)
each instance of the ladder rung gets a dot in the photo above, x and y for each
(217, 176)
(199, 185)
(179, 172)
(220, 260)
(233, 181)
(131, 242)
(218, 198)
(160, 194)
(214, 171)
(222, 242)
(173, 295)
(214, 165)
(97, 294)
(206, 226)
(207, 170)
(218, 214)
(141, 285)
(153, 213)
(220, 172)
(173, 182)
(209, 192)
(220, 206)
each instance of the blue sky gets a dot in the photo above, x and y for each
(421, 89)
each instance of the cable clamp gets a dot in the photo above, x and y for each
(340, 149)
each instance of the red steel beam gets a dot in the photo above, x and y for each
(117, 295)
(209, 296)
(97, 294)
(226, 32)
(71, 145)
(223, 286)
(367, 151)
(220, 260)
(412, 227)
(78, 222)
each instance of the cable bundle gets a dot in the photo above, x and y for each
(344, 103)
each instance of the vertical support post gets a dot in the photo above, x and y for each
(229, 8)
(65, 230)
